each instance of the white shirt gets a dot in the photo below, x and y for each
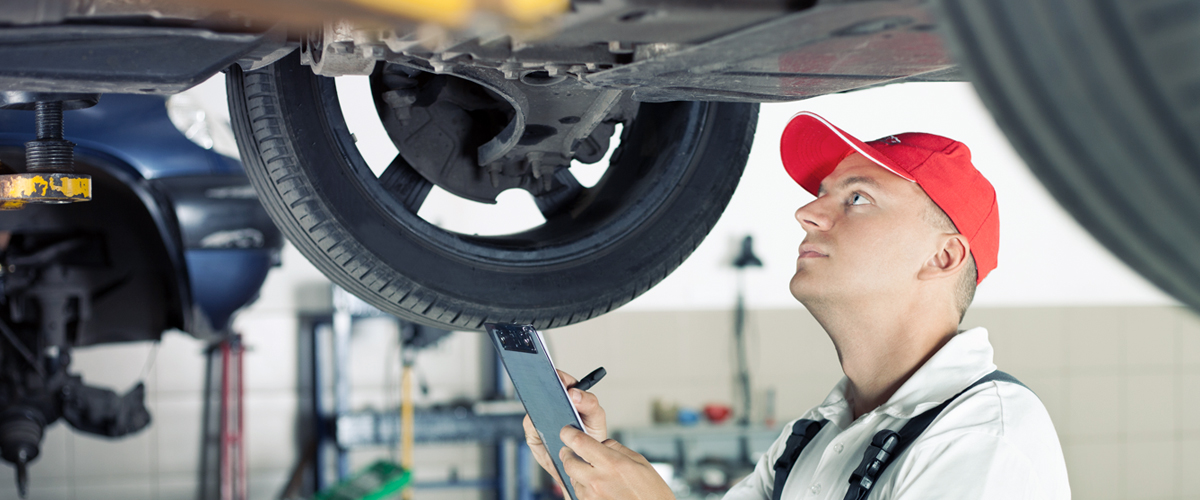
(994, 442)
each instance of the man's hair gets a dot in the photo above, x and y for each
(964, 293)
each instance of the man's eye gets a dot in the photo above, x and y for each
(858, 199)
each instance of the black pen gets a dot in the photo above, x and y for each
(590, 379)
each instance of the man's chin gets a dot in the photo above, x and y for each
(801, 287)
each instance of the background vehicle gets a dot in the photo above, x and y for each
(173, 239)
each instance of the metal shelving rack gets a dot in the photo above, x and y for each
(339, 430)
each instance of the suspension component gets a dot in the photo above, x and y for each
(21, 431)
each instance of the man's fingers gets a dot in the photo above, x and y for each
(566, 378)
(612, 444)
(588, 449)
(572, 461)
(579, 470)
(580, 489)
(536, 446)
(593, 416)
(538, 449)
(584, 400)
(531, 434)
(547, 465)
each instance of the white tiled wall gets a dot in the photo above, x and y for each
(1121, 384)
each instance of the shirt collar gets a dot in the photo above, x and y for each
(965, 358)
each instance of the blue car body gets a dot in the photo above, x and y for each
(217, 237)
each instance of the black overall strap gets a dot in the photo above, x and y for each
(803, 431)
(888, 444)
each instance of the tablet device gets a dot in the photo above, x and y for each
(538, 386)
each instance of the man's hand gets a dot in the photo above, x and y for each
(609, 470)
(590, 412)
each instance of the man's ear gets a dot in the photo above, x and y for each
(952, 254)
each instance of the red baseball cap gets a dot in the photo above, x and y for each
(812, 147)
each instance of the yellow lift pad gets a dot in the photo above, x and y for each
(41, 187)
(455, 13)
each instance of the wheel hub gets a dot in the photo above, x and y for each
(475, 134)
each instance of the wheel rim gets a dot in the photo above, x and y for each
(634, 185)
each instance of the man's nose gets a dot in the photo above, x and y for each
(812, 216)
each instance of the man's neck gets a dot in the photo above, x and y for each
(881, 345)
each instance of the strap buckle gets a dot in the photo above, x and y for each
(875, 460)
(886, 444)
(802, 432)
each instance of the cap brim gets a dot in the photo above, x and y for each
(811, 149)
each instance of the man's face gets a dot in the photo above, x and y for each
(866, 236)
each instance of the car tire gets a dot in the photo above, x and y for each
(667, 184)
(1102, 99)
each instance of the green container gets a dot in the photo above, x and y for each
(380, 480)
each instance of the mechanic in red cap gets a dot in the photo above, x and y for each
(901, 232)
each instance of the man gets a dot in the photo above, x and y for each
(901, 232)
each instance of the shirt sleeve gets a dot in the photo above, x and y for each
(971, 465)
(760, 484)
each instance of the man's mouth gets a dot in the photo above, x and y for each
(810, 251)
